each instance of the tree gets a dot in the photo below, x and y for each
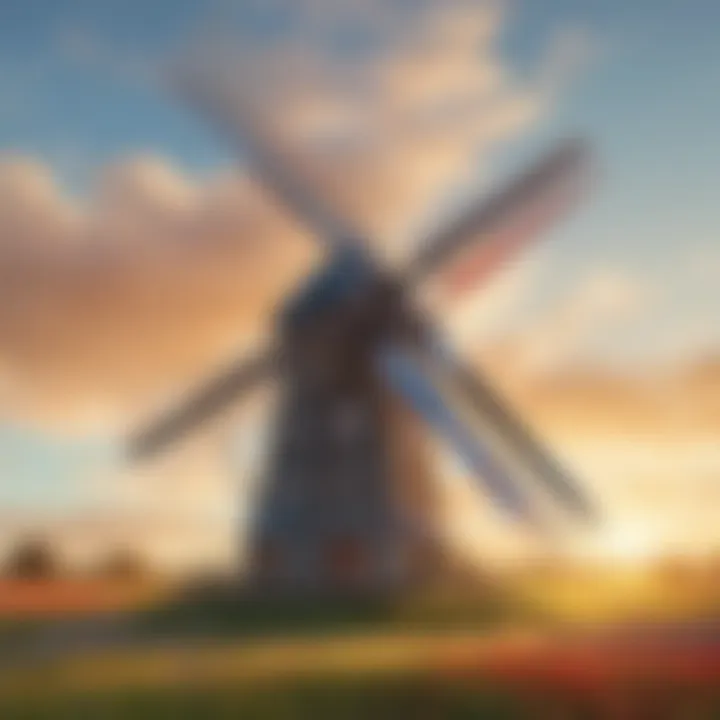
(32, 559)
(122, 565)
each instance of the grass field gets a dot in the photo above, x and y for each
(320, 698)
(364, 675)
(501, 653)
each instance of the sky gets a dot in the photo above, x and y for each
(103, 168)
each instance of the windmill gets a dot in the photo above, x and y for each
(349, 500)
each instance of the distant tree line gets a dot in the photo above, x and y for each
(37, 559)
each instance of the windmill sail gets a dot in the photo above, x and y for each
(211, 400)
(274, 169)
(480, 242)
(491, 410)
(406, 375)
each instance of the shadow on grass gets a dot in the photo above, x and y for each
(229, 612)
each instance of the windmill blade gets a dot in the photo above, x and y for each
(408, 376)
(479, 242)
(198, 409)
(513, 431)
(237, 120)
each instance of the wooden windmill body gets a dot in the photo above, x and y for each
(349, 502)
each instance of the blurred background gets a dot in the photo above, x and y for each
(138, 256)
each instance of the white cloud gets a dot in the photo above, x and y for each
(411, 120)
(600, 302)
(154, 280)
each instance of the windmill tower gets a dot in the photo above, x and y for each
(349, 502)
(348, 499)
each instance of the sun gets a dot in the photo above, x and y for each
(627, 542)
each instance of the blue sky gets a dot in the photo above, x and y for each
(77, 91)
(73, 92)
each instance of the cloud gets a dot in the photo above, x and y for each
(155, 278)
(572, 332)
(150, 282)
(389, 130)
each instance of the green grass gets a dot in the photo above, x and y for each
(127, 683)
(390, 697)
(300, 659)
(230, 615)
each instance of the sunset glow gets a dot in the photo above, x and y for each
(628, 543)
